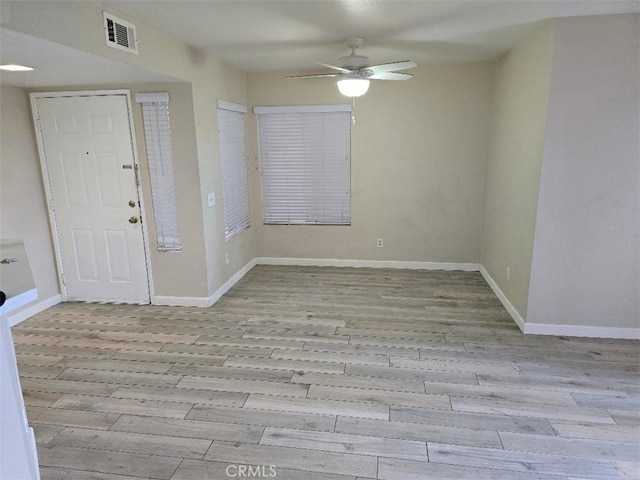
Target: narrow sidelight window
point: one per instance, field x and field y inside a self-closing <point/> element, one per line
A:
<point x="157" y="135"/>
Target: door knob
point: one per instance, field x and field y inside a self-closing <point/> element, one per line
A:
<point x="132" y="204"/>
<point x="133" y="220"/>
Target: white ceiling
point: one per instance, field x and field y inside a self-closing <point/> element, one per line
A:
<point x="272" y="35"/>
<point x="59" y="65"/>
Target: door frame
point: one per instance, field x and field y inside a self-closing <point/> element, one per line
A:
<point x="33" y="97"/>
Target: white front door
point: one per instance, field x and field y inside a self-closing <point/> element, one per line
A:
<point x="89" y="164"/>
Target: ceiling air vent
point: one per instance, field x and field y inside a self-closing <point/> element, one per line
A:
<point x="120" y="34"/>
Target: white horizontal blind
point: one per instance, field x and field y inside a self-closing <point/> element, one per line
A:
<point x="234" y="168"/>
<point x="306" y="167"/>
<point x="157" y="134"/>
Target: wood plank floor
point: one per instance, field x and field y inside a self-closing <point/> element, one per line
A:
<point x="326" y="374"/>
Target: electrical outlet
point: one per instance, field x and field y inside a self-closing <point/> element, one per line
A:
<point x="380" y="243"/>
<point x="508" y="273"/>
<point x="226" y="258"/>
<point x="211" y="199"/>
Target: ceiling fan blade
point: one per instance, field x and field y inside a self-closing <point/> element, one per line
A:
<point x="391" y="76"/>
<point x="319" y="75"/>
<point x="390" y="67"/>
<point x="340" y="69"/>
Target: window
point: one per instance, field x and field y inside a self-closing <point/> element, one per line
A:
<point x="157" y="135"/>
<point x="305" y="153"/>
<point x="234" y="167"/>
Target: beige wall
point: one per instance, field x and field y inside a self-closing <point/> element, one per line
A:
<point x="519" y="115"/>
<point x="218" y="82"/>
<point x="586" y="260"/>
<point x="23" y="208"/>
<point x="186" y="265"/>
<point x="79" y="25"/>
<point x="179" y="274"/>
<point x="445" y="167"/>
<point x="200" y="270"/>
<point x="418" y="163"/>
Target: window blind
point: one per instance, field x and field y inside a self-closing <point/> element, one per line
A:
<point x="234" y="167"/>
<point x="157" y="134"/>
<point x="306" y="166"/>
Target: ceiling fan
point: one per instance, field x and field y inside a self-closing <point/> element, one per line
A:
<point x="355" y="73"/>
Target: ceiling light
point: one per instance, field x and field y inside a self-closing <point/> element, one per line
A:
<point x="353" y="87"/>
<point x="15" y="68"/>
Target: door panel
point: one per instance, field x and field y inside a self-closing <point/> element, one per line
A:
<point x="84" y="249"/>
<point x="75" y="189"/>
<point x="89" y="161"/>
<point x="119" y="268"/>
<point x="107" y="169"/>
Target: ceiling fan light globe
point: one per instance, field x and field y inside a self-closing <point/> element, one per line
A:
<point x="353" y="87"/>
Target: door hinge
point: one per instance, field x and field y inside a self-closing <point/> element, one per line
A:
<point x="64" y="281"/>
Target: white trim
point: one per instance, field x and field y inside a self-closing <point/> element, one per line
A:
<point x="233" y="107"/>
<point x="529" y="328"/>
<point x="235" y="278"/>
<point x="180" y="301"/>
<point x="332" y="262"/>
<point x="630" y="333"/>
<point x="34" y="310"/>
<point x="141" y="204"/>
<point x="303" y="109"/>
<point x="152" y="97"/>
<point x="80" y="93"/>
<point x="320" y="262"/>
<point x="33" y="97"/>
<point x="44" y="170"/>
<point x="18" y="453"/>
<point x="33" y="448"/>
<point x="19" y="301"/>
<point x="515" y="315"/>
<point x="201" y="301"/>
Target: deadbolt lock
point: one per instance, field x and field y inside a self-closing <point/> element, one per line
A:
<point x="132" y="204"/>
<point x="133" y="220"/>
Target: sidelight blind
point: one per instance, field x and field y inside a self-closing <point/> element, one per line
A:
<point x="305" y="155"/>
<point x="157" y="134"/>
<point x="234" y="167"/>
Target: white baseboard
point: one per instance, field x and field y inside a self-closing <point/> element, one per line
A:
<point x="231" y="282"/>
<point x="29" y="312"/>
<point x="529" y="328"/>
<point x="33" y="449"/>
<point x="180" y="301"/>
<point x="305" y="262"/>
<point x="515" y="315"/>
<point x="582" y="331"/>
<point x="332" y="262"/>
<point x="19" y="301"/>
<point x="202" y="301"/>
